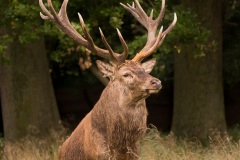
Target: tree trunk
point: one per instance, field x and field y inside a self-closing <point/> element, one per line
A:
<point x="198" y="85"/>
<point x="27" y="96"/>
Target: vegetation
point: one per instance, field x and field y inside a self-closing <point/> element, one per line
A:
<point x="32" y="147"/>
<point x="154" y="146"/>
<point x="167" y="147"/>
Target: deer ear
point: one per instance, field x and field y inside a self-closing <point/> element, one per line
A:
<point x="105" y="68"/>
<point x="148" y="65"/>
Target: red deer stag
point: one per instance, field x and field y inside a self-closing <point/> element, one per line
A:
<point x="113" y="128"/>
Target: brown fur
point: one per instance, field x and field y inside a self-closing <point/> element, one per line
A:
<point x="112" y="130"/>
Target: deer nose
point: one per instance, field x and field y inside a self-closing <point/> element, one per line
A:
<point x="156" y="83"/>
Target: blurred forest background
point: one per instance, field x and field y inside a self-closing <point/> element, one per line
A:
<point x="45" y="77"/>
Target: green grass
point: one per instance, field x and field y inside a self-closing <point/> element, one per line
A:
<point x="154" y="146"/>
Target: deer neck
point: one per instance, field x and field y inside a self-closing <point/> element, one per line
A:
<point x="120" y="96"/>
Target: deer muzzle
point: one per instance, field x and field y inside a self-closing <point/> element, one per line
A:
<point x="155" y="85"/>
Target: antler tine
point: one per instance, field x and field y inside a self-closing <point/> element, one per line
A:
<point x="62" y="21"/>
<point x="172" y="25"/>
<point x="151" y="25"/>
<point x="133" y="10"/>
<point x="124" y="55"/>
<point x="117" y="58"/>
<point x="44" y="9"/>
<point x="113" y="56"/>
<point x="142" y="16"/>
<point x="161" y="14"/>
<point x="87" y="35"/>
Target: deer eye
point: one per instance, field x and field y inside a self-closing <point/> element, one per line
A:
<point x="127" y="75"/>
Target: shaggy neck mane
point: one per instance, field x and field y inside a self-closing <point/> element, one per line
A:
<point x="120" y="117"/>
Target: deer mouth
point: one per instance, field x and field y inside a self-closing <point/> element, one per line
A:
<point x="153" y="91"/>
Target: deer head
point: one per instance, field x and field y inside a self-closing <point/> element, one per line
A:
<point x="131" y="79"/>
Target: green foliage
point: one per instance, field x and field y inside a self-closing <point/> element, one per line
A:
<point x="189" y="30"/>
<point x="23" y="19"/>
<point x="19" y="21"/>
<point x="4" y="41"/>
<point x="235" y="132"/>
<point x="115" y="16"/>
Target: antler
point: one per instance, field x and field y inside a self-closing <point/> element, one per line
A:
<point x="151" y="25"/>
<point x="62" y="21"/>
